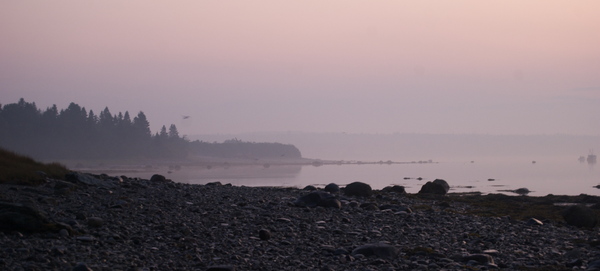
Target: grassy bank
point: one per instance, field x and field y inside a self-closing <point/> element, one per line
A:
<point x="19" y="169"/>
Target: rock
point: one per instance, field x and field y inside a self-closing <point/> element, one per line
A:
<point x="534" y="222"/>
<point x="318" y="198"/>
<point x="58" y="185"/>
<point x="522" y="191"/>
<point x="580" y="216"/>
<point x="214" y="184"/>
<point x="87" y="179"/>
<point x="64" y="233"/>
<point x="332" y="188"/>
<point x="359" y="189"/>
<point x="594" y="265"/>
<point x="19" y="217"/>
<point x="378" y="250"/>
<point x="81" y="267"/>
<point x="370" y="206"/>
<point x="483" y="259"/>
<point x="309" y="188"/>
<point x="264" y="234"/>
<point x="438" y="187"/>
<point x="395" y="189"/>
<point x="158" y="178"/>
<point x="95" y="222"/>
<point x="330" y="202"/>
<point x="221" y="268"/>
<point x="396" y="208"/>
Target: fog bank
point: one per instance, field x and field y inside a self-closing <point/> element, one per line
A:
<point x="415" y="147"/>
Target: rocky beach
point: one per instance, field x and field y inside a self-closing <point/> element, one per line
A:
<point x="100" y="222"/>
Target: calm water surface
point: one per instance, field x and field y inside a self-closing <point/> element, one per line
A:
<point x="559" y="176"/>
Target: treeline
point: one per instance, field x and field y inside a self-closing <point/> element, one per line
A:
<point x="75" y="133"/>
<point x="241" y="149"/>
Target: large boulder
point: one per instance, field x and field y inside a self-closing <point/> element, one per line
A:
<point x="88" y="179"/>
<point x="318" y="198"/>
<point x="580" y="216"/>
<point x="438" y="187"/>
<point x="359" y="189"/>
<point x="158" y="178"/>
<point x="23" y="218"/>
<point x="332" y="188"/>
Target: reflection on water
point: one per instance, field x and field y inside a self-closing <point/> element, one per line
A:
<point x="559" y="176"/>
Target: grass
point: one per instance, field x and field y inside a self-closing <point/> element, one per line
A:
<point x="23" y="170"/>
<point x="523" y="207"/>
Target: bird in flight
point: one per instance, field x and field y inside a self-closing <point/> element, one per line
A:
<point x="185" y="117"/>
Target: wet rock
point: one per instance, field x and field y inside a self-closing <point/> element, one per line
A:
<point x="580" y="216"/>
<point x="378" y="250"/>
<point x="359" y="189"/>
<point x="332" y="188"/>
<point x="438" y="187"/>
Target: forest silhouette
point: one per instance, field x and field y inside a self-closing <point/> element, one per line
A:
<point x="75" y="133"/>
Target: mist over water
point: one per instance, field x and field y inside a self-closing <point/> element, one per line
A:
<point x="469" y="163"/>
<point x="557" y="175"/>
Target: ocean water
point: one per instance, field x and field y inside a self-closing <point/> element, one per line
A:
<point x="549" y="175"/>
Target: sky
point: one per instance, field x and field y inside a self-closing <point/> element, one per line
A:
<point x="452" y="67"/>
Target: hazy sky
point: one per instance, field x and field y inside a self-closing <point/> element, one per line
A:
<point x="498" y="67"/>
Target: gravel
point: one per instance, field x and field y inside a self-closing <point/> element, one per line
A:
<point x="133" y="224"/>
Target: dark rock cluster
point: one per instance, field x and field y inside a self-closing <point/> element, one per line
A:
<point x="117" y="223"/>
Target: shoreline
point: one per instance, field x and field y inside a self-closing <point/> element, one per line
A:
<point x="121" y="223"/>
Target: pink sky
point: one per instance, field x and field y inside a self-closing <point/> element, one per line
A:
<point x="498" y="67"/>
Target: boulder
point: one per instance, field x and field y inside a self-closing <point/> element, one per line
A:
<point x="580" y="216"/>
<point x="438" y="187"/>
<point x="359" y="189"/>
<point x="318" y="198"/>
<point x="158" y="178"/>
<point x="309" y="188"/>
<point x="88" y="179"/>
<point x="395" y="189"/>
<point x="23" y="218"/>
<point x="332" y="188"/>
<point x="378" y="250"/>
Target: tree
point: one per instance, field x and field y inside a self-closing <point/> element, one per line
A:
<point x="141" y="126"/>
<point x="163" y="135"/>
<point x="173" y="133"/>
